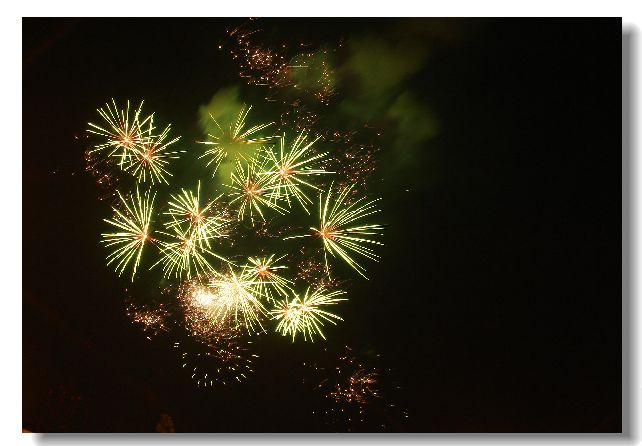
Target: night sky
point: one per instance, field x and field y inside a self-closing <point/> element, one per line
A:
<point x="496" y="306"/>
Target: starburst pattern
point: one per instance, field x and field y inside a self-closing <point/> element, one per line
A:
<point x="151" y="155"/>
<point x="338" y="231"/>
<point x="203" y="222"/>
<point x="252" y="191"/>
<point x="185" y="253"/>
<point x="122" y="131"/>
<point x="265" y="272"/>
<point x="290" y="166"/>
<point x="233" y="298"/>
<point x="303" y="314"/>
<point x="234" y="141"/>
<point x="133" y="220"/>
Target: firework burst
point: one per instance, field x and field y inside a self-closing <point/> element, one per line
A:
<point x="203" y="222"/>
<point x="264" y="271"/>
<point x="121" y="131"/>
<point x="133" y="220"/>
<point x="233" y="142"/>
<point x="303" y="314"/>
<point x="290" y="166"/>
<point x="234" y="299"/>
<point x="185" y="253"/>
<point x="253" y="191"/>
<point x="338" y="233"/>
<point x="151" y="155"/>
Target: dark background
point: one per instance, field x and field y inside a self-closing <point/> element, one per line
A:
<point x="497" y="305"/>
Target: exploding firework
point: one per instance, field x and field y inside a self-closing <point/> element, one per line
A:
<point x="303" y="314"/>
<point x="253" y="191"/>
<point x="204" y="224"/>
<point x="133" y="220"/>
<point x="234" y="142"/>
<point x="122" y="132"/>
<point x="337" y="231"/>
<point x="151" y="155"/>
<point x="234" y="299"/>
<point x="264" y="271"/>
<point x="290" y="166"/>
<point x="186" y="253"/>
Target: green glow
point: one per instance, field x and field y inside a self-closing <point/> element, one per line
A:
<point x="230" y="144"/>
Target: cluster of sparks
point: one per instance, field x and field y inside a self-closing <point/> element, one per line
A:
<point x="191" y="232"/>
<point x="134" y="143"/>
<point x="280" y="67"/>
<point x="304" y="314"/>
<point x="150" y="319"/>
<point x="228" y="143"/>
<point x="354" y="391"/>
<point x="339" y="231"/>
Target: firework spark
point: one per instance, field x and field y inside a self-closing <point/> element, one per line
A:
<point x="122" y="131"/>
<point x="185" y="253"/>
<point x="204" y="224"/>
<point x="233" y="298"/>
<point x="150" y="319"/>
<point x="233" y="142"/>
<point x="290" y="166"/>
<point x="303" y="314"/>
<point x="253" y="191"/>
<point x="264" y="271"/>
<point x="150" y="155"/>
<point x="336" y="230"/>
<point x="133" y="220"/>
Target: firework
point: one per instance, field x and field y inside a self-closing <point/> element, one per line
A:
<point x="234" y="299"/>
<point x="359" y="388"/>
<point x="185" y="253"/>
<point x="304" y="314"/>
<point x="121" y="131"/>
<point x="264" y="271"/>
<point x="290" y="166"/>
<point x="252" y="190"/>
<point x="149" y="319"/>
<point x="204" y="224"/>
<point x="337" y="231"/>
<point x="233" y="142"/>
<point x="220" y="356"/>
<point x="133" y="220"/>
<point x="150" y="155"/>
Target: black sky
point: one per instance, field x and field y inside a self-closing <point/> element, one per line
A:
<point x="498" y="301"/>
